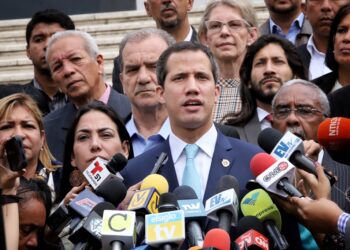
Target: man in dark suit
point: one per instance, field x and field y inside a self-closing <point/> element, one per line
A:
<point x="269" y="62"/>
<point x="168" y="17"/>
<point x="299" y="107"/>
<point x="77" y="66"/>
<point x="287" y="20"/>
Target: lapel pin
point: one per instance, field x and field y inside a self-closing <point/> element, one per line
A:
<point x="225" y="163"/>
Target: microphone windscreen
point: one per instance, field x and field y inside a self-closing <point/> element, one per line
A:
<point x="259" y="204"/>
<point x="247" y="223"/>
<point x="100" y="207"/>
<point x="217" y="238"/>
<point x="334" y="133"/>
<point x="268" y="139"/>
<point x="167" y="202"/>
<point x="117" y="163"/>
<point x="185" y="193"/>
<point x="112" y="190"/>
<point x="260" y="162"/>
<point x="227" y="182"/>
<point x="156" y="181"/>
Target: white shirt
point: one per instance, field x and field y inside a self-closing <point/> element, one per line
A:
<point x="189" y="35"/>
<point x="318" y="65"/>
<point x="261" y="116"/>
<point x="336" y="86"/>
<point x="202" y="160"/>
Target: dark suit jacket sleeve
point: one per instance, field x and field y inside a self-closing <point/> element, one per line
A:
<point x="117" y="84"/>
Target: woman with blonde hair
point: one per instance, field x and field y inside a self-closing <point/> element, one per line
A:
<point x="20" y="116"/>
<point x="228" y="27"/>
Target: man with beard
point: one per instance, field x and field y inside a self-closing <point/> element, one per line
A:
<point x="40" y="28"/>
<point x="170" y="16"/>
<point x="299" y="107"/>
<point x="287" y="20"/>
<point x="320" y="14"/>
<point x="269" y="62"/>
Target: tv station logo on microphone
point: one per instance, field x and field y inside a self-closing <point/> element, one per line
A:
<point x="165" y="227"/>
<point x="118" y="222"/>
<point x="96" y="172"/>
<point x="281" y="166"/>
<point x="192" y="207"/>
<point x="145" y="199"/>
<point x="286" y="146"/>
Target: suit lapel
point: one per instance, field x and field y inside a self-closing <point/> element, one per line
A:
<point x="252" y="129"/>
<point x="221" y="164"/>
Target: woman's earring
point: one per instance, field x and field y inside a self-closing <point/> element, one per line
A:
<point x="76" y="178"/>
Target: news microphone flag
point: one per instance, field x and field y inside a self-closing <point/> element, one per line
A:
<point x="84" y="202"/>
<point x="146" y="200"/>
<point x="252" y="238"/>
<point x="118" y="228"/>
<point x="224" y="200"/>
<point x="287" y="145"/>
<point x="167" y="227"/>
<point x="334" y="133"/>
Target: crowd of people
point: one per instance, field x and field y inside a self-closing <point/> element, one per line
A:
<point x="190" y="106"/>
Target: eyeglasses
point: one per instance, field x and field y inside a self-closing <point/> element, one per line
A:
<point x="232" y="25"/>
<point x="304" y="112"/>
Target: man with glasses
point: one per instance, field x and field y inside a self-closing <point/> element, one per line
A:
<point x="269" y="62"/>
<point x="299" y="107"/>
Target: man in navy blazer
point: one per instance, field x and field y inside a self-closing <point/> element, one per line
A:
<point x="77" y="66"/>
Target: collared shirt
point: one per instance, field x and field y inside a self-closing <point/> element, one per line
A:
<point x="139" y="143"/>
<point x="202" y="160"/>
<point x="189" y="35"/>
<point x="318" y="65"/>
<point x="105" y="96"/>
<point x="342" y="221"/>
<point x="229" y="99"/>
<point x="58" y="100"/>
<point x="261" y="116"/>
<point x="293" y="31"/>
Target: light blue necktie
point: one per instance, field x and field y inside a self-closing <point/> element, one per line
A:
<point x="191" y="177"/>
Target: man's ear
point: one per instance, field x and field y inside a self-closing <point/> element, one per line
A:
<point x="147" y="8"/>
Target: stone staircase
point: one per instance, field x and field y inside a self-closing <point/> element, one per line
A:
<point x="107" y="28"/>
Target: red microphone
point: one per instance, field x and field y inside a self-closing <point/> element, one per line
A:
<point x="334" y="133"/>
<point x="217" y="238"/>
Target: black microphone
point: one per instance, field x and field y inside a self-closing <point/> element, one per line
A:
<point x="223" y="207"/>
<point x="162" y="159"/>
<point x="195" y="216"/>
<point x="89" y="231"/>
<point x="117" y="163"/>
<point x="112" y="190"/>
<point x="288" y="146"/>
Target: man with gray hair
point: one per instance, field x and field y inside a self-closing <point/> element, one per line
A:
<point x="77" y="67"/>
<point x="138" y="55"/>
<point x="299" y="107"/>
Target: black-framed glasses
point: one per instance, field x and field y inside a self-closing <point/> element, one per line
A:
<point x="233" y="25"/>
<point x="304" y="112"/>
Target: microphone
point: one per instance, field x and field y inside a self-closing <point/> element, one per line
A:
<point x="334" y="133"/>
<point x="162" y="159"/>
<point x="274" y="176"/>
<point x="84" y="202"/>
<point x="217" y="239"/>
<point x="259" y="204"/>
<point x="195" y="216"/>
<point x="117" y="164"/>
<point x="145" y="201"/>
<point x="112" y="190"/>
<point x="166" y="230"/>
<point x="288" y="146"/>
<point x="89" y="230"/>
<point x="251" y="236"/>
<point x="58" y="219"/>
<point x="118" y="229"/>
<point x="97" y="173"/>
<point x="223" y="207"/>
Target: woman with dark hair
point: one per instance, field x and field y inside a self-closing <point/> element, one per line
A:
<point x="338" y="53"/>
<point x="97" y="131"/>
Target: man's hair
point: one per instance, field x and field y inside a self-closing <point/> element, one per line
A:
<point x="141" y="35"/>
<point x="330" y="59"/>
<point x="244" y="7"/>
<point x="90" y="44"/>
<point x="49" y="16"/>
<point x="180" y="47"/>
<point x="322" y="96"/>
<point x="248" y="100"/>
